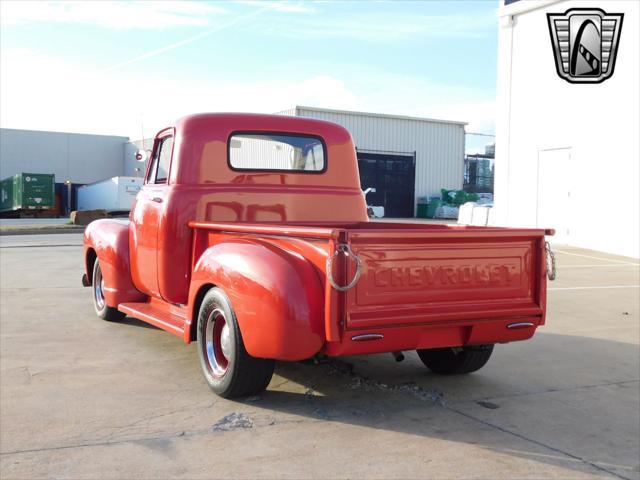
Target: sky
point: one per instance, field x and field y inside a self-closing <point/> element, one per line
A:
<point x="132" y="68"/>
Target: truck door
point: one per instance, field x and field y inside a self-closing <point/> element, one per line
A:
<point x="147" y="215"/>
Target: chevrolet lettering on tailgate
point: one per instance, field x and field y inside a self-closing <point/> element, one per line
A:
<point x="434" y="275"/>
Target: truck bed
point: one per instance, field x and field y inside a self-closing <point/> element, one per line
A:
<point x="420" y="284"/>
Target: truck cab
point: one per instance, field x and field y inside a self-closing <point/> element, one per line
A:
<point x="250" y="235"/>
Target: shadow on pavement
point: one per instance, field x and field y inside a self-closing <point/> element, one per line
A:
<point x="134" y="322"/>
<point x="375" y="392"/>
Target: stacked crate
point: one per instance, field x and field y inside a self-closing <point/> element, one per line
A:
<point x="483" y="175"/>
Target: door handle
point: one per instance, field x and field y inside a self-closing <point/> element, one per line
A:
<point x="156" y="199"/>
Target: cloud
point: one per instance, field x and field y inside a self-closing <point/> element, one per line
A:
<point x="280" y="6"/>
<point x="384" y="27"/>
<point x="152" y="53"/>
<point x="111" y="14"/>
<point x="384" y="92"/>
<point x="478" y="113"/>
<point x="373" y="26"/>
<point x="38" y="91"/>
<point x="292" y="8"/>
<point x="71" y="98"/>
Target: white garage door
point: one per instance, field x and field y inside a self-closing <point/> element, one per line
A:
<point x="554" y="192"/>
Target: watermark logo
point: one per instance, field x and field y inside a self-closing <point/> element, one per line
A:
<point x="585" y="43"/>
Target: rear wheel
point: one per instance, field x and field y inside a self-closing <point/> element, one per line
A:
<point x="227" y="367"/>
<point x="103" y="310"/>
<point x="456" y="360"/>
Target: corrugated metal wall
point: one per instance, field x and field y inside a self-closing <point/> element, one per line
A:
<point x="77" y="157"/>
<point x="250" y="152"/>
<point x="290" y="112"/>
<point x="438" y="146"/>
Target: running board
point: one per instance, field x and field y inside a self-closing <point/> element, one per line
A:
<point x="166" y="316"/>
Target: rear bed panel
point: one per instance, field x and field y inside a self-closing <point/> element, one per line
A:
<point x="422" y="278"/>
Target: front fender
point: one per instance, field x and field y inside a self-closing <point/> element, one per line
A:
<point x="109" y="240"/>
<point x="276" y="294"/>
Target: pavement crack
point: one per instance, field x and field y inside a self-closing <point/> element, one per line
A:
<point x="536" y="442"/>
<point x="98" y="444"/>
<point x="435" y="397"/>
<point x="554" y="390"/>
<point x="178" y="434"/>
<point x="361" y="382"/>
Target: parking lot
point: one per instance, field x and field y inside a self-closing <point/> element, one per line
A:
<point x="85" y="398"/>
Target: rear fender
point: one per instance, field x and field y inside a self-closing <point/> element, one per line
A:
<point x="108" y="239"/>
<point x="276" y="294"/>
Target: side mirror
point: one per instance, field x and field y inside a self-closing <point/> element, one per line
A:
<point x="142" y="155"/>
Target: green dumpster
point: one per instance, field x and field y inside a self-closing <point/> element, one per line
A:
<point x="27" y="191"/>
<point x="432" y="207"/>
<point x="422" y="210"/>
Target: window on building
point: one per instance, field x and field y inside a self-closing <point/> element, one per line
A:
<point x="266" y="151"/>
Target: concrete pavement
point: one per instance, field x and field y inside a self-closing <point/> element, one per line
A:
<point x="84" y="398"/>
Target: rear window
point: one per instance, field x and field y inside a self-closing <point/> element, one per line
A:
<point x="266" y="151"/>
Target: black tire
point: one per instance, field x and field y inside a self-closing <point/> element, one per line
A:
<point x="454" y="361"/>
<point x="103" y="310"/>
<point x="227" y="367"/>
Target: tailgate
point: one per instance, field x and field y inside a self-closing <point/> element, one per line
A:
<point x="462" y="275"/>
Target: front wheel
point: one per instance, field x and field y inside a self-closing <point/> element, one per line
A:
<point x="227" y="367"/>
<point x="103" y="310"/>
<point x="456" y="360"/>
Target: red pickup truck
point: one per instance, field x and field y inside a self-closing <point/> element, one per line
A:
<point x="251" y="237"/>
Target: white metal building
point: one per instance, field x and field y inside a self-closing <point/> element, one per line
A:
<point x="79" y="158"/>
<point x="75" y="157"/>
<point x="402" y="157"/>
<point x="567" y="155"/>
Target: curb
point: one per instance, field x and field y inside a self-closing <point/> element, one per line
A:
<point x="41" y="231"/>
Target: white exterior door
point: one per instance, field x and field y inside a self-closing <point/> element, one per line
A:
<point x="554" y="192"/>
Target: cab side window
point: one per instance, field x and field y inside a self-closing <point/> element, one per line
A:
<point x="161" y="161"/>
<point x="160" y="171"/>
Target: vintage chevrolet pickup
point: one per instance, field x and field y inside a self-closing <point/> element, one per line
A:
<point x="251" y="236"/>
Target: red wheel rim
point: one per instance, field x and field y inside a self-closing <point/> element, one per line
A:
<point x="217" y="344"/>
